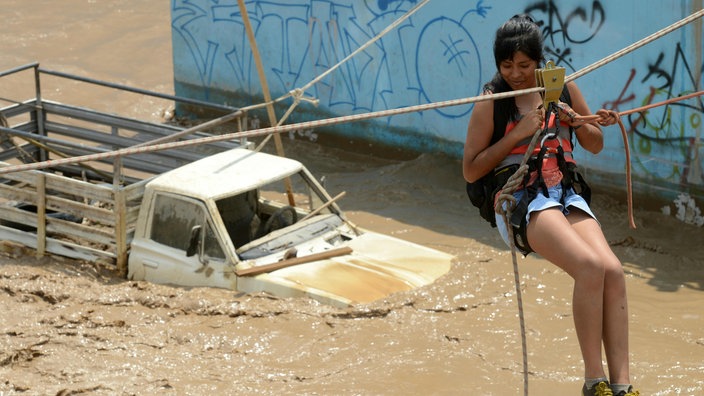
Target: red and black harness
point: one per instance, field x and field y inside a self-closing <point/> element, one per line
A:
<point x="482" y="192"/>
<point x="534" y="182"/>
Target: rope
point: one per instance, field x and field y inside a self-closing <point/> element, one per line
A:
<point x="624" y="135"/>
<point x="158" y="145"/>
<point x="298" y="94"/>
<point x="376" y="38"/>
<point x="258" y="132"/>
<point x="635" y="45"/>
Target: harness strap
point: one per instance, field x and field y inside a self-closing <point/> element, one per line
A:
<point x="535" y="164"/>
<point x="566" y="181"/>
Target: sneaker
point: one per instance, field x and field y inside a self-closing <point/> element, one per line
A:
<point x="600" y="389"/>
<point x="630" y="392"/>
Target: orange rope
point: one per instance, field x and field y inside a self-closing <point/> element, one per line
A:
<point x="593" y="118"/>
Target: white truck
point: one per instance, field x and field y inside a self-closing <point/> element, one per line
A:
<point x="218" y="215"/>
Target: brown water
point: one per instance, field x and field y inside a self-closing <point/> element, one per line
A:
<point x="71" y="328"/>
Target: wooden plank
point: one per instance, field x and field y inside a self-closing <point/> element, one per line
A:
<point x="12" y="193"/>
<point x="86" y="233"/>
<point x="89" y="211"/>
<point x="10" y="214"/>
<point x="120" y="210"/>
<point x="41" y="215"/>
<point x="54" y="246"/>
<point x="294" y="261"/>
<point x="28" y="221"/>
<point x="75" y="187"/>
<point x="135" y="191"/>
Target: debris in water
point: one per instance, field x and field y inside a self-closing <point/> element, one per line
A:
<point x="687" y="210"/>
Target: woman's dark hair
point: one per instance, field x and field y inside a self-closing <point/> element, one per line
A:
<point x="520" y="33"/>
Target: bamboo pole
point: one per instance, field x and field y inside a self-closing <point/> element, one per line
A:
<point x="120" y="213"/>
<point x="265" y="91"/>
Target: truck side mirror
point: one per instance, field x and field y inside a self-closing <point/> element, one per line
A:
<point x="194" y="241"/>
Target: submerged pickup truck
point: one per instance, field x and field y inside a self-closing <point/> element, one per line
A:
<point x="224" y="219"/>
<point x="220" y="215"/>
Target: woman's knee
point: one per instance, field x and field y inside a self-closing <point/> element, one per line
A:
<point x="613" y="272"/>
<point x="592" y="269"/>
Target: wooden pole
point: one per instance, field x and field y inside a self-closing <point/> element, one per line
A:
<point x="265" y="91"/>
<point x="294" y="261"/>
<point x="41" y="215"/>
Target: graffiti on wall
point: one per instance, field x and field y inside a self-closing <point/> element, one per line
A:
<point x="437" y="55"/>
<point x="565" y="27"/>
<point x="667" y="132"/>
<point x="400" y="70"/>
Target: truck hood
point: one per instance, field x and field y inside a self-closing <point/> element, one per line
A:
<point x="378" y="266"/>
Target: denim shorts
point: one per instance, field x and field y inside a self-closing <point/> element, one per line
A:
<point x="572" y="199"/>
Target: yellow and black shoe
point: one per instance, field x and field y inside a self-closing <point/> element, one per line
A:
<point x="629" y="392"/>
<point x="600" y="389"/>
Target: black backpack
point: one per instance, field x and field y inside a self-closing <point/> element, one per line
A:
<point x="481" y="193"/>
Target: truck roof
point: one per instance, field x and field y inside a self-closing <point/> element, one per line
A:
<point x="225" y="173"/>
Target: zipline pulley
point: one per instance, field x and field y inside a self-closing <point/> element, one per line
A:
<point x="552" y="78"/>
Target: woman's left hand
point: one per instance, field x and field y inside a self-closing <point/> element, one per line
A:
<point x="568" y="115"/>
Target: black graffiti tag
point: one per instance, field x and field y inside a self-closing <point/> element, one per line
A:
<point x="561" y="29"/>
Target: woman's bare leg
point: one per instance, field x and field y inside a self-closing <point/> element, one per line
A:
<point x="552" y="236"/>
<point x="615" y="332"/>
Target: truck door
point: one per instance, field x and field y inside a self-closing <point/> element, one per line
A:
<point x="161" y="256"/>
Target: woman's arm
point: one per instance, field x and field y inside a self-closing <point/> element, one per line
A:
<point x="479" y="132"/>
<point x="589" y="135"/>
<point x="479" y="156"/>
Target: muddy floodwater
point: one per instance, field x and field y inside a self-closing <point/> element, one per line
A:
<point x="69" y="328"/>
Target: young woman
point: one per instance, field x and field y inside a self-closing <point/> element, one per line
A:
<point x="558" y="223"/>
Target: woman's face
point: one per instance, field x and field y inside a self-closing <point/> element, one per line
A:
<point x="519" y="72"/>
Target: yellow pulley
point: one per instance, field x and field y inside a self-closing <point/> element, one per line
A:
<point x="552" y="78"/>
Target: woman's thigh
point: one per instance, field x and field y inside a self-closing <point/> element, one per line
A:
<point x="552" y="235"/>
<point x="591" y="233"/>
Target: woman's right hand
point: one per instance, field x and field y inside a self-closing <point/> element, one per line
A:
<point x="530" y="123"/>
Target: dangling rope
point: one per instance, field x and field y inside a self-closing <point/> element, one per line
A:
<point x="505" y="204"/>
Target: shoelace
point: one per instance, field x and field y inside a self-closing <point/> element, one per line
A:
<point x="602" y="389"/>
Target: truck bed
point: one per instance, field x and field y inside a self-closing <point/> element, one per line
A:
<point x="85" y="210"/>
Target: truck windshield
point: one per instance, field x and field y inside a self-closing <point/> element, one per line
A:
<point x="271" y="206"/>
<point x="297" y="190"/>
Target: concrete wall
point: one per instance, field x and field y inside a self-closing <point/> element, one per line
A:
<point x="444" y="52"/>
